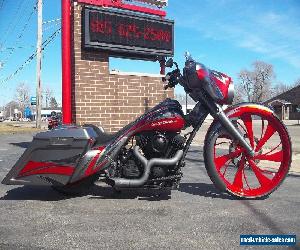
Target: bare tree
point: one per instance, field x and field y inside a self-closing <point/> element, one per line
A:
<point x="245" y="86"/>
<point x="53" y="103"/>
<point x="297" y="82"/>
<point x="9" y="108"/>
<point x="263" y="75"/>
<point x="238" y="94"/>
<point x="255" y="85"/>
<point x="22" y="96"/>
<point x="280" y="88"/>
<point x="48" y="94"/>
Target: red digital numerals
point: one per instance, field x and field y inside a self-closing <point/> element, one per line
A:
<point x="101" y="26"/>
<point x="131" y="31"/>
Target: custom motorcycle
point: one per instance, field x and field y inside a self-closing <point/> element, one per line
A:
<point x="54" y="121"/>
<point x="247" y="149"/>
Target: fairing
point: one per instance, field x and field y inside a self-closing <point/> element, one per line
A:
<point x="218" y="85"/>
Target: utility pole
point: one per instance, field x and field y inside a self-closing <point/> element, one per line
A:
<point x="39" y="64"/>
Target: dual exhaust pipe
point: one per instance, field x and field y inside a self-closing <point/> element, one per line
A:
<point x="148" y="164"/>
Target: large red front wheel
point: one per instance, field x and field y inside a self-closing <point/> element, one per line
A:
<point x="229" y="166"/>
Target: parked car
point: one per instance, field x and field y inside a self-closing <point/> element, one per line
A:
<point x="16" y="119"/>
<point x="25" y="120"/>
<point x="9" y="118"/>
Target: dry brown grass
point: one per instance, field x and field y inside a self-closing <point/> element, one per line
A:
<point x="9" y="128"/>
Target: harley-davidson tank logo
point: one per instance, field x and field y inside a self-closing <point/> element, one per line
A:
<point x="159" y="123"/>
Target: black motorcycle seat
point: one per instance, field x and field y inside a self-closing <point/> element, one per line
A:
<point x="102" y="137"/>
<point x="105" y="138"/>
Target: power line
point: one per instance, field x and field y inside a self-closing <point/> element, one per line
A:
<point x="12" y="25"/>
<point x="51" y="24"/>
<point x="32" y="56"/>
<point x="17" y="47"/>
<point x="20" y="36"/>
<point x="51" y="21"/>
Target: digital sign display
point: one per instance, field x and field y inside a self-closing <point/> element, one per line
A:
<point x="127" y="34"/>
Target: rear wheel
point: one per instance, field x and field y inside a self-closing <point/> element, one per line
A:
<point x="229" y="166"/>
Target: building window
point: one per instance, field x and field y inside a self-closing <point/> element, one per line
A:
<point x="133" y="66"/>
<point x="294" y="108"/>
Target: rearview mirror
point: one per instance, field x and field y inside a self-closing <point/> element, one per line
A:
<point x="188" y="56"/>
<point x="169" y="63"/>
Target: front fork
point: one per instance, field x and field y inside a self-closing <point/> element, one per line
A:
<point x="226" y="122"/>
<point x="216" y="111"/>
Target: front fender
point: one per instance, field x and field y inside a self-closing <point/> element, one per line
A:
<point x="238" y="109"/>
<point x="242" y="108"/>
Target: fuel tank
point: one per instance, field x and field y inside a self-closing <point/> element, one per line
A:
<point x="166" y="116"/>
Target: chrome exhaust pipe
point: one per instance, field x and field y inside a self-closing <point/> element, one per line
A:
<point x="128" y="183"/>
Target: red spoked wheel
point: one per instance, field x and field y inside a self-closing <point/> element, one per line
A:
<point x="232" y="169"/>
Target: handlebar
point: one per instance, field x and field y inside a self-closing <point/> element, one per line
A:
<point x="172" y="78"/>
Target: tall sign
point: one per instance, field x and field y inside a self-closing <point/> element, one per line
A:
<point x="39" y="64"/>
<point x="128" y="35"/>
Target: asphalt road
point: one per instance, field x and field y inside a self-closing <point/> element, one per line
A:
<point x="195" y="217"/>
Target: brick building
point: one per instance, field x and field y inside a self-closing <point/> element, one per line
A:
<point x="108" y="98"/>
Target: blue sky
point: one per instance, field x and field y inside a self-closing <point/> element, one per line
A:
<point x="226" y="35"/>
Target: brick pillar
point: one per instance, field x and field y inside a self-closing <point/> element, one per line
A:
<point x="111" y="100"/>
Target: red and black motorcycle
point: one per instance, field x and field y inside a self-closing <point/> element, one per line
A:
<point x="247" y="149"/>
<point x="54" y="121"/>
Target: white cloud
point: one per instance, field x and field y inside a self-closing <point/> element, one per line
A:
<point x="272" y="34"/>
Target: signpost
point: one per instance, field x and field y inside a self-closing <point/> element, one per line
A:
<point x="33" y="100"/>
<point x="128" y="35"/>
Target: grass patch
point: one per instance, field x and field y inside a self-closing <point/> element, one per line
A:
<point x="14" y="128"/>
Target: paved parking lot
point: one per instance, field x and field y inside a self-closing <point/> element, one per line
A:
<point x="196" y="216"/>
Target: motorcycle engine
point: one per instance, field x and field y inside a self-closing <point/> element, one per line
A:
<point x="130" y="167"/>
<point x="155" y="144"/>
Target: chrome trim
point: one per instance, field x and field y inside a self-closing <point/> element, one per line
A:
<point x="230" y="94"/>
